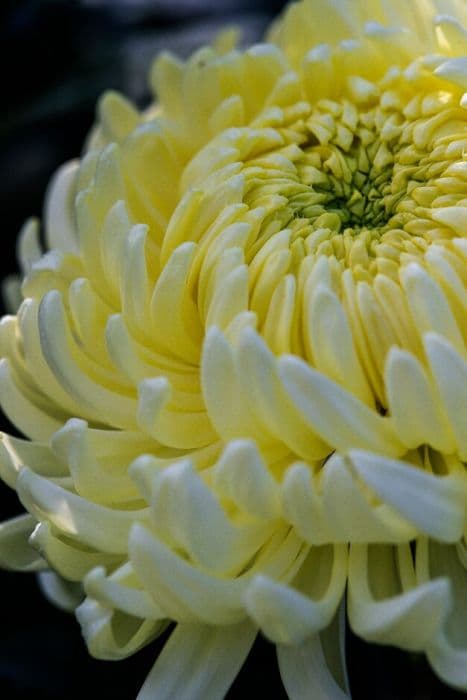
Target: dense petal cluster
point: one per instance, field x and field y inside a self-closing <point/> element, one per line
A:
<point x="241" y="363"/>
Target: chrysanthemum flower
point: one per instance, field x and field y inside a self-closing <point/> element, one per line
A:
<point x="241" y="364"/>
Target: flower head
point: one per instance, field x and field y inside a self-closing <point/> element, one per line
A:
<point x="241" y="364"/>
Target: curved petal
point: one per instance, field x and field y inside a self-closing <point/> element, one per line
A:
<point x="63" y="594"/>
<point x="384" y="603"/>
<point x="199" y="662"/>
<point x="187" y="514"/>
<point x="69" y="558"/>
<point x="242" y="476"/>
<point x="335" y="414"/>
<point x="121" y="590"/>
<point x="60" y="230"/>
<point x="183" y="592"/>
<point x="16" y="453"/>
<point x="188" y="594"/>
<point x="448" y="652"/>
<point x="90" y="478"/>
<point x="111" y="634"/>
<point x="15" y="551"/>
<point x="92" y="524"/>
<point x="434" y="504"/>
<point x="332" y="505"/>
<point x="305" y="673"/>
<point x="290" y="614"/>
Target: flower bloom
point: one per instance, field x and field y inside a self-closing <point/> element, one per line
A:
<point x="241" y="364"/>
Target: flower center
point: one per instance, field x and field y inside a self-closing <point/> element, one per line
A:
<point x="371" y="175"/>
<point x="349" y="186"/>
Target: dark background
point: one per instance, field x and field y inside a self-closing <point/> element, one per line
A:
<point x="57" y="58"/>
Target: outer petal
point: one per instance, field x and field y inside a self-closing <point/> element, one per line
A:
<point x="291" y="614"/>
<point x="386" y="605"/>
<point x="63" y="594"/>
<point x="15" y="550"/>
<point x="316" y="668"/>
<point x="448" y="652"/>
<point x="111" y="634"/>
<point x="435" y="504"/>
<point x="199" y="662"/>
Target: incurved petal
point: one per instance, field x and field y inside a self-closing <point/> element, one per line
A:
<point x="335" y="414"/>
<point x="121" y="590"/>
<point x="331" y="505"/>
<point x="384" y="603"/>
<point x="69" y="558"/>
<point x="97" y="526"/>
<point x="435" y="504"/>
<point x="187" y="514"/>
<point x="188" y="594"/>
<point x="60" y="229"/>
<point x="290" y="614"/>
<point x="113" y="635"/>
<point x="15" y="551"/>
<point x="65" y="595"/>
<point x="183" y="592"/>
<point x="448" y="652"/>
<point x="91" y="480"/>
<point x="16" y="453"/>
<point x="242" y="476"/>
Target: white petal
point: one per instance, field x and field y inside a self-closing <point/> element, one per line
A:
<point x="450" y="373"/>
<point x="350" y="512"/>
<point x="15" y="551"/>
<point x="336" y="415"/>
<point x="16" y="453"/>
<point x="454" y="70"/>
<point x="28" y="245"/>
<point x="111" y="634"/>
<point x="161" y="418"/>
<point x="305" y="674"/>
<point x="435" y="504"/>
<point x="413" y="404"/>
<point x="19" y="406"/>
<point x="225" y="401"/>
<point x="448" y="652"/>
<point x="290" y="614"/>
<point x="11" y="295"/>
<point x="60" y="351"/>
<point x="135" y="284"/>
<point x="60" y="228"/>
<point x="67" y="557"/>
<point x="230" y="298"/>
<point x="263" y="389"/>
<point x="89" y="523"/>
<point x="382" y="609"/>
<point x="303" y="505"/>
<point x="64" y="594"/>
<point x="183" y="592"/>
<point x="170" y="307"/>
<point x="428" y="305"/>
<point x="117" y="115"/>
<point x="199" y="662"/>
<point x="449" y="662"/>
<point x="90" y="479"/>
<point x="186" y="512"/>
<point x="187" y="594"/>
<point x="332" y="345"/>
<point x="242" y="476"/>
<point x="122" y="591"/>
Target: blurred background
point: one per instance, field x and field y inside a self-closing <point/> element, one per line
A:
<point x="58" y="56"/>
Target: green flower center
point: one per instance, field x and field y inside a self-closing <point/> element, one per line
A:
<point x="376" y="175"/>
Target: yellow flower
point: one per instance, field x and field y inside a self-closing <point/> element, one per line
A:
<point x="241" y="365"/>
